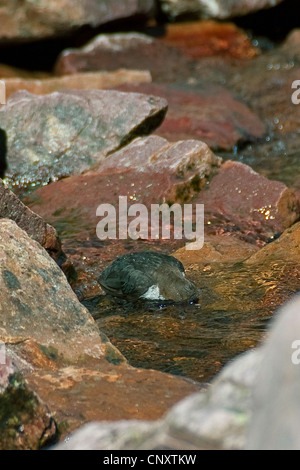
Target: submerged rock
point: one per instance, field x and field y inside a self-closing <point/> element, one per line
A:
<point x="67" y="133"/>
<point x="148" y="275"/>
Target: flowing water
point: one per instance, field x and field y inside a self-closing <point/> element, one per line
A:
<point x="196" y="340"/>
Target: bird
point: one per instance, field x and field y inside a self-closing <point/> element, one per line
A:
<point x="147" y="275"/>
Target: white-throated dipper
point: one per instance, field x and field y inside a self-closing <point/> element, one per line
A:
<point x="148" y="275"/>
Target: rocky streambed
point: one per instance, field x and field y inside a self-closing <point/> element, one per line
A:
<point x="176" y="105"/>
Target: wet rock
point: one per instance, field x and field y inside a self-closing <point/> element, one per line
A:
<point x="12" y="208"/>
<point x="56" y="18"/>
<point x="80" y="81"/>
<point x="199" y="39"/>
<point x="25" y="422"/>
<point x="214" y="9"/>
<point x="286" y="247"/>
<point x="67" y="133"/>
<point x="217" y="249"/>
<point x="209" y="113"/>
<point x="125" y="50"/>
<point x="241" y="201"/>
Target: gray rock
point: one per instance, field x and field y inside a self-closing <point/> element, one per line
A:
<point x="66" y="133"/>
<point x="275" y="424"/>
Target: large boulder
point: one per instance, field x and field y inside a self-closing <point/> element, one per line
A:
<point x="66" y="133"/>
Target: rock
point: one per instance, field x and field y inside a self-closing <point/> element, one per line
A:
<point x="286" y="247"/>
<point x="32" y="285"/>
<point x="198" y="39"/>
<point x="12" y="208"/>
<point x="241" y="201"/>
<point x="56" y="18"/>
<point x="125" y="50"/>
<point x="25" y="422"/>
<point x="217" y="249"/>
<point x="275" y="404"/>
<point x="79" y="81"/>
<point x="208" y="113"/>
<point x="8" y="71"/>
<point x="214" y="9"/>
<point x="67" y="133"/>
<point x="217" y="418"/>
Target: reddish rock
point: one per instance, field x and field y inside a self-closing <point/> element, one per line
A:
<point x="208" y="38"/>
<point x="12" y="208"/>
<point x="57" y="17"/>
<point x="241" y="201"/>
<point x="125" y="50"/>
<point x="286" y="247"/>
<point x="79" y="81"/>
<point x="67" y="133"/>
<point x="208" y="113"/>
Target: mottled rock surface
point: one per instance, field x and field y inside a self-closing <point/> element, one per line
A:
<point x="219" y="9"/>
<point x="37" y="301"/>
<point x="125" y="50"/>
<point x="67" y="133"/>
<point x="36" y="20"/>
<point x="12" y="208"/>
<point x="209" y="113"/>
<point x="198" y="39"/>
<point x="241" y="201"/>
